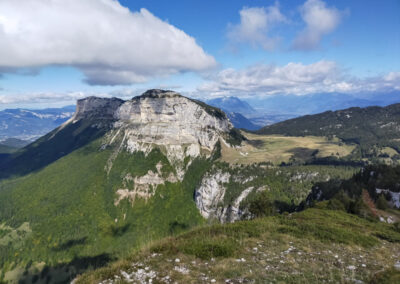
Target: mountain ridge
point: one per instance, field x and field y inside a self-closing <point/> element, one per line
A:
<point x="232" y="104"/>
<point x="368" y="127"/>
<point x="181" y="126"/>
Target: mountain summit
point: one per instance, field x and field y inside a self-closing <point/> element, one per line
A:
<point x="180" y="127"/>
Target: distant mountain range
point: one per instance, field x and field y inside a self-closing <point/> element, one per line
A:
<point x="261" y="111"/>
<point x="316" y="103"/>
<point x="237" y="110"/>
<point x="29" y="125"/>
<point x="240" y="121"/>
<point x="250" y="113"/>
<point x="232" y="104"/>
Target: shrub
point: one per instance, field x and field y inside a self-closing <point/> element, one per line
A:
<point x="397" y="227"/>
<point x="381" y="203"/>
<point x="336" y="204"/>
<point x="261" y="205"/>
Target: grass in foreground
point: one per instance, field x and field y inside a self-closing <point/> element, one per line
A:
<point x="308" y="247"/>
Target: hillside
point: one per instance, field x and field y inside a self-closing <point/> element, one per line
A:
<point x="116" y="175"/>
<point x="120" y="175"/>
<point x="232" y="104"/>
<point x="4" y="149"/>
<point x="240" y="121"/>
<point x="339" y="239"/>
<point x="372" y="128"/>
<point x="313" y="246"/>
<point x="379" y="183"/>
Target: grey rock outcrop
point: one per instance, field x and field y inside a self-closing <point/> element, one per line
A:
<point x="96" y="108"/>
<point x="209" y="198"/>
<point x="179" y="126"/>
<point x="210" y="194"/>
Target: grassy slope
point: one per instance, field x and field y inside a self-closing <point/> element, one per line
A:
<point x="49" y="148"/>
<point x="69" y="208"/>
<point x="79" y="198"/>
<point x="309" y="247"/>
<point x="277" y="149"/>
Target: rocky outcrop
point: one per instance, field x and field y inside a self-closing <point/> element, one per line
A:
<point x="209" y="198"/>
<point x="210" y="194"/>
<point x="165" y="119"/>
<point x="179" y="126"/>
<point x="142" y="187"/>
<point x="96" y="108"/>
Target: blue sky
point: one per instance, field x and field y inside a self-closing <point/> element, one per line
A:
<point x="200" y="48"/>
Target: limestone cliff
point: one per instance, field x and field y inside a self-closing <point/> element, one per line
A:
<point x="209" y="197"/>
<point x="179" y="126"/>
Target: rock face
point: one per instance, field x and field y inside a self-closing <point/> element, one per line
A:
<point x="209" y="198"/>
<point x="96" y="108"/>
<point x="143" y="186"/>
<point x="179" y="126"/>
<point x="211" y="193"/>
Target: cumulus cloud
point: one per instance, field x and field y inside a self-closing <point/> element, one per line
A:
<point x="106" y="41"/>
<point x="294" y="78"/>
<point x="392" y="77"/>
<point x="320" y="20"/>
<point x="255" y="23"/>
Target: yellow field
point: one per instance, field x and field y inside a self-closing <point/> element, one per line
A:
<point x="278" y="149"/>
<point x="390" y="151"/>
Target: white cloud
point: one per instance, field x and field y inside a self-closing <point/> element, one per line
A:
<point x="258" y="80"/>
<point x="255" y="23"/>
<point x="392" y="76"/>
<point x="294" y="78"/>
<point x="62" y="98"/>
<point x="320" y="20"/>
<point x="107" y="42"/>
<point x="36" y="98"/>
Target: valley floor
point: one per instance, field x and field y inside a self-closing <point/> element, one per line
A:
<point x="314" y="246"/>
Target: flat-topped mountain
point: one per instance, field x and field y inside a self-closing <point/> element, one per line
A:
<point x="179" y="126"/>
